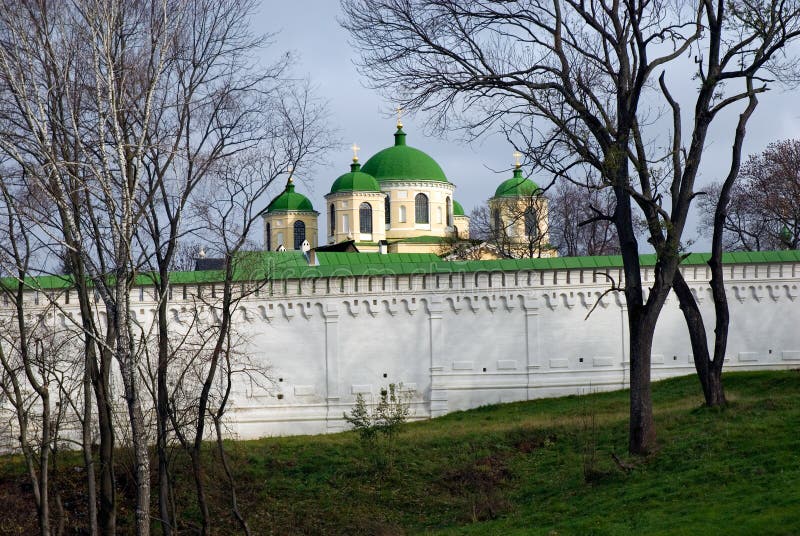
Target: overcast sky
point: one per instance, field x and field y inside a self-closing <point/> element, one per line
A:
<point x="310" y="29"/>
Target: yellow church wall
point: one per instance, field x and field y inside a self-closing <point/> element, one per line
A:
<point x="402" y="197"/>
<point x="279" y="228"/>
<point x="348" y="223"/>
<point x="462" y="226"/>
<point x="411" y="247"/>
<point x="512" y="216"/>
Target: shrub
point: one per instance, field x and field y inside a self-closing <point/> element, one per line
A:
<point x="391" y="411"/>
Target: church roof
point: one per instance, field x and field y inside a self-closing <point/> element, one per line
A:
<point x="355" y="181"/>
<point x="348" y="246"/>
<point x="517" y="186"/>
<point x="273" y="265"/>
<point x="293" y="265"/>
<point x="290" y="200"/>
<point x="401" y="162"/>
<point x="458" y="210"/>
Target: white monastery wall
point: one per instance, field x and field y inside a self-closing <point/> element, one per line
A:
<point x="464" y="340"/>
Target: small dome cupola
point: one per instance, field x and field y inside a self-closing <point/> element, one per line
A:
<point x="356" y="208"/>
<point x="517" y="185"/>
<point x="290" y="200"/>
<point x="458" y="210"/>
<point x="290" y="220"/>
<point x="356" y="180"/>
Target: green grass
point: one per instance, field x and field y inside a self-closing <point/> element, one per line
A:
<point x="540" y="467"/>
<point x="526" y="468"/>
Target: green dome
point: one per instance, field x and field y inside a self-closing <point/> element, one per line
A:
<point x="402" y="162"/>
<point x="290" y="200"/>
<point x="355" y="181"/>
<point x="458" y="210"/>
<point x="517" y="186"/>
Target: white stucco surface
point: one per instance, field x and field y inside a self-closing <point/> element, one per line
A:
<point x="491" y="338"/>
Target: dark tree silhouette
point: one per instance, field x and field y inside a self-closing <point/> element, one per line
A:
<point x="568" y="81"/>
<point x="764" y="209"/>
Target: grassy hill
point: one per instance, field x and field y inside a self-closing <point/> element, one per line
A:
<point x="541" y="467"/>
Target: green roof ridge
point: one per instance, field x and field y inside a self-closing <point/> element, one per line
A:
<point x="273" y="265"/>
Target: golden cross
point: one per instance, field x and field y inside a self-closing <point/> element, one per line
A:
<point x="355" y="149"/>
<point x="290" y="170"/>
<point x="517" y="156"/>
<point x="399" y="117"/>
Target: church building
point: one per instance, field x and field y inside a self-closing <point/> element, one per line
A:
<point x="401" y="201"/>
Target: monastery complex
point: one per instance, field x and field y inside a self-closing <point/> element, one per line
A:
<point x="374" y="305"/>
<point x="400" y="201"/>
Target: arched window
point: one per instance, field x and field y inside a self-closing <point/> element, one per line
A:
<point x="449" y="207"/>
<point x="365" y="218"/>
<point x="299" y="234"/>
<point x="497" y="224"/>
<point x="531" y="225"/>
<point x="269" y="237"/>
<point x="387" y="207"/>
<point x="332" y="215"/>
<point x="421" y="209"/>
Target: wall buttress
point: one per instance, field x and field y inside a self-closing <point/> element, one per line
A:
<point x="334" y="413"/>
<point x="530" y="304"/>
<point x="438" y="390"/>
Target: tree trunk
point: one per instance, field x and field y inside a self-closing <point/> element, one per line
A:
<point x="86" y="443"/>
<point x="202" y="502"/>
<point x="62" y="516"/>
<point x="721" y="328"/>
<point x="98" y="367"/>
<point x="105" y="422"/>
<point x="641" y="432"/>
<point x="128" y="369"/>
<point x="710" y="377"/>
<point x="44" y="467"/>
<point x="162" y="406"/>
<point x="229" y="474"/>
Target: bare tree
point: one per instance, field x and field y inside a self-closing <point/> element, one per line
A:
<point x="569" y="226"/>
<point x="569" y="80"/>
<point x="516" y="228"/>
<point x="764" y="208"/>
<point x="185" y="256"/>
<point x="231" y="207"/>
<point x="39" y="375"/>
<point x="574" y="230"/>
<point x="112" y="115"/>
<point x="214" y="103"/>
<point x="455" y="248"/>
<point x="25" y="376"/>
